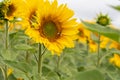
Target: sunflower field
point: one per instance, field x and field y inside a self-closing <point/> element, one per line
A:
<point x="42" y="40"/>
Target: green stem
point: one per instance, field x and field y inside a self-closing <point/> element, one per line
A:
<point x="27" y="53"/>
<point x="44" y="51"/>
<point x="103" y="57"/>
<point x="5" y="73"/>
<point x="87" y="42"/>
<point x="27" y="56"/>
<point x="57" y="67"/>
<point x="6" y="34"/>
<point x="98" y="61"/>
<point x="28" y="76"/>
<point x="112" y="78"/>
<point x="6" y="46"/>
<point x="40" y="60"/>
<point x="36" y="58"/>
<point x="58" y="62"/>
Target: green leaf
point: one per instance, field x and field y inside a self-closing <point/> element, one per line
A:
<point x="17" y="35"/>
<point x="22" y="66"/>
<point x="8" y="54"/>
<point x="12" y="77"/>
<point x="46" y="70"/>
<point x="116" y="7"/>
<point x="52" y="76"/>
<point x="88" y="75"/>
<point x="115" y="51"/>
<point x="23" y="47"/>
<point x="19" y="74"/>
<point x="1" y="75"/>
<point x="111" y="33"/>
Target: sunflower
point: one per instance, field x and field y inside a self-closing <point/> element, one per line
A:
<point x="9" y="71"/>
<point x="93" y="46"/>
<point x="83" y="34"/>
<point x="13" y="8"/>
<point x="1" y="24"/>
<point x="13" y="11"/>
<point x="115" y="45"/>
<point x="115" y="60"/>
<point x="30" y="13"/>
<point x="104" y="42"/>
<point x="55" y="28"/>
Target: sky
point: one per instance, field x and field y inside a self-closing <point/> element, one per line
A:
<point x="88" y="9"/>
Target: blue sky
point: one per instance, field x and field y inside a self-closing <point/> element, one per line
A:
<point x="87" y="9"/>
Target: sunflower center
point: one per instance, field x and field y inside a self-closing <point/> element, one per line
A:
<point x="11" y="9"/>
<point x="51" y="31"/>
<point x="93" y="43"/>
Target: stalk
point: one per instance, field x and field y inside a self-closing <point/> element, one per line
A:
<point x="40" y="60"/>
<point x="5" y="73"/>
<point x="58" y="63"/>
<point x="27" y="52"/>
<point x="6" y="46"/>
<point x="6" y="34"/>
<point x="58" y="66"/>
<point x="87" y="42"/>
<point x="98" y="56"/>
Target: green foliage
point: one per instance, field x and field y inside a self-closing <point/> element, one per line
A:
<point x="22" y="66"/>
<point x="116" y="7"/>
<point x="88" y="75"/>
<point x="23" y="47"/>
<point x="74" y="64"/>
<point x="9" y="54"/>
<point x="104" y="30"/>
<point x="1" y="75"/>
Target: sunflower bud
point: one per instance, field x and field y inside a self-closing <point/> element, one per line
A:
<point x="103" y="20"/>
